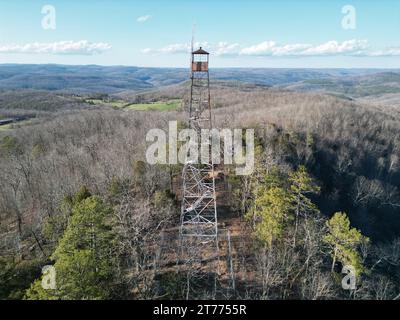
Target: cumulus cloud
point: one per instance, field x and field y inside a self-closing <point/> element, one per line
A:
<point x="169" y="49"/>
<point x="147" y="50"/>
<point x="226" y="49"/>
<point x="352" y="47"/>
<point x="144" y="18"/>
<point x="271" y="48"/>
<point x="262" y="48"/>
<point x="391" y="52"/>
<point x="175" y="48"/>
<point x="82" y="47"/>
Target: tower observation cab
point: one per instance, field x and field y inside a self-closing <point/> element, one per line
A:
<point x="200" y="60"/>
<point x="199" y="104"/>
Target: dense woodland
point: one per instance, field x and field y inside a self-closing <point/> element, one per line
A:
<point x="76" y="193"/>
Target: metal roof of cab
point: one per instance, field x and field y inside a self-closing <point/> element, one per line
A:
<point x="200" y="51"/>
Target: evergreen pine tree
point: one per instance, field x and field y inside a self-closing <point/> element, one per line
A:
<point x="344" y="242"/>
<point x="84" y="256"/>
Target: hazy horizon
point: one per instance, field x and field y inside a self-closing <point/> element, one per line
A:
<point x="159" y="67"/>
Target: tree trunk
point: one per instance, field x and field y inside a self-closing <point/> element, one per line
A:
<point x="334" y="260"/>
<point x="297" y="220"/>
<point x="231" y="271"/>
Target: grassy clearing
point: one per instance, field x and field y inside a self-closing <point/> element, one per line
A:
<point x="118" y="104"/>
<point x="159" y="106"/>
<point x="95" y="101"/>
<point x="114" y="103"/>
<point x="6" y="127"/>
<point x="15" y="125"/>
<point x="122" y="104"/>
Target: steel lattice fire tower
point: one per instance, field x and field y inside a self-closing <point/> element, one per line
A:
<point x="199" y="210"/>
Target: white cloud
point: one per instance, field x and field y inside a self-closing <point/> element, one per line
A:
<point x="289" y="49"/>
<point x="391" y="52"/>
<point x="144" y="18"/>
<point x="169" y="49"/>
<point x="271" y="48"/>
<point x="354" y="47"/>
<point x="226" y="49"/>
<point x="82" y="47"/>
<point x="350" y="47"/>
<point x="263" y="48"/>
<point x="175" y="48"/>
<point x="146" y="50"/>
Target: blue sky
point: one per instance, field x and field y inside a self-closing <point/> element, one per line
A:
<point x="238" y="33"/>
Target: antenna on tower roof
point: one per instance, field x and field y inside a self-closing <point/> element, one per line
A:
<point x="192" y="47"/>
<point x="193" y="34"/>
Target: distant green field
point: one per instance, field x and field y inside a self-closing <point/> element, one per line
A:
<point x="14" y="125"/>
<point x="6" y="127"/>
<point x="116" y="104"/>
<point x="159" y="106"/>
<point x="95" y="101"/>
<point x="122" y="104"/>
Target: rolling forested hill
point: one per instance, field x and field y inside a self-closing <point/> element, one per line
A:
<point x="326" y="140"/>
<point x="92" y="78"/>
